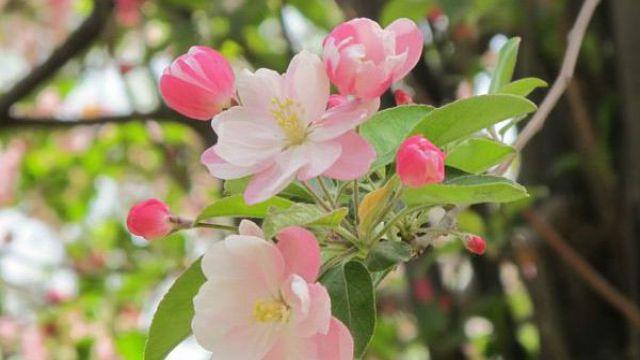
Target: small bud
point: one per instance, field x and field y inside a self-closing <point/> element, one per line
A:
<point x="150" y="219"/>
<point x="402" y="97"/>
<point x="475" y="244"/>
<point x="198" y="84"/>
<point x="419" y="162"/>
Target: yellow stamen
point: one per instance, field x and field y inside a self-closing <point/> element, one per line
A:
<point x="269" y="310"/>
<point x="287" y="114"/>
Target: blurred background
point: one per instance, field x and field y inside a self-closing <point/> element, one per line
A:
<point x="84" y="135"/>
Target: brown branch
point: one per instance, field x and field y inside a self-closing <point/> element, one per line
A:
<point x="27" y="122"/>
<point x="582" y="268"/>
<point x="79" y="40"/>
<point x="575" y="37"/>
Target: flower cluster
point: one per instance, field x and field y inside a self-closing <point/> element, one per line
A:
<point x="262" y="298"/>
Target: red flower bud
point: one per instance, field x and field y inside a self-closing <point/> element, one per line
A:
<point x="475" y="244"/>
<point x="150" y="219"/>
<point x="419" y="162"/>
<point x="402" y="97"/>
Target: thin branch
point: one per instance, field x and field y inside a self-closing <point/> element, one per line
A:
<point x="575" y="38"/>
<point x="583" y="269"/>
<point x="79" y="40"/>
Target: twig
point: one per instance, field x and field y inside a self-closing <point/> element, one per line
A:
<point x="79" y="40"/>
<point x="575" y="37"/>
<point x="582" y="268"/>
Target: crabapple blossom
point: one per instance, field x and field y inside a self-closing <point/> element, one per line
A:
<point x="198" y="84"/>
<point x="283" y="130"/>
<point x="419" y="162"/>
<point x="401" y="97"/>
<point x="363" y="60"/>
<point x="150" y="219"/>
<point x="261" y="300"/>
<point x="475" y="244"/>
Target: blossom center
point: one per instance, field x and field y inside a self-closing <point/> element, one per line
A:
<point x="269" y="310"/>
<point x="287" y="114"/>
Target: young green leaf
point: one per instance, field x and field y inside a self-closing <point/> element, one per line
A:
<point x="506" y="64"/>
<point x="477" y="155"/>
<point x="522" y="87"/>
<point x="372" y="204"/>
<point x="235" y="206"/>
<point x="463" y="118"/>
<point x="172" y="321"/>
<point x="470" y="189"/>
<point x="353" y="301"/>
<point x="303" y="215"/>
<point x="388" y="128"/>
<point x="386" y="254"/>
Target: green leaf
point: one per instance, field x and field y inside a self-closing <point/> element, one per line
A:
<point x="387" y="254"/>
<point x="303" y="215"/>
<point x="323" y="13"/>
<point x="465" y="117"/>
<point x="477" y="155"/>
<point x="412" y="9"/>
<point x="353" y="301"/>
<point x="471" y="189"/>
<point x="506" y="64"/>
<point x="522" y="87"/>
<point x="172" y="321"/>
<point x="386" y="130"/>
<point x="235" y="206"/>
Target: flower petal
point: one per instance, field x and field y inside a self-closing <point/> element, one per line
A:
<point x="274" y="179"/>
<point x="300" y="251"/>
<point x="355" y="161"/>
<point x="342" y="118"/>
<point x="337" y="344"/>
<point x="321" y="156"/>
<point x="256" y="90"/>
<point x="307" y="81"/>
<point x="408" y="38"/>
<point x="319" y="314"/>
<point x="221" y="169"/>
<point x="249" y="228"/>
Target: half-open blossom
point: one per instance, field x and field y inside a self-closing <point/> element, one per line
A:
<point x="198" y="84"/>
<point x="362" y="59"/>
<point x="283" y="131"/>
<point x="261" y="300"/>
<point x="150" y="219"/>
<point x="419" y="162"/>
<point x="475" y="244"/>
<point x="402" y="97"/>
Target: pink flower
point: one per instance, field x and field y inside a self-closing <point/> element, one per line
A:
<point x="128" y="12"/>
<point x="150" y="219"/>
<point x="419" y="162"/>
<point x="262" y="301"/>
<point x="198" y="84"/>
<point x="283" y="131"/>
<point x="363" y="59"/>
<point x="402" y="97"/>
<point x="475" y="244"/>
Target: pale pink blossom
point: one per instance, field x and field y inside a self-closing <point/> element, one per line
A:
<point x="419" y="162"/>
<point x="283" y="130"/>
<point x="363" y="60"/>
<point x="262" y="300"/>
<point x="198" y="84"/>
<point x="150" y="219"/>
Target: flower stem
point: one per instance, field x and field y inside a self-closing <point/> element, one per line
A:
<point x="215" y="226"/>
<point x="326" y="192"/>
<point x="356" y="199"/>
<point x="315" y="196"/>
<point x="404" y="212"/>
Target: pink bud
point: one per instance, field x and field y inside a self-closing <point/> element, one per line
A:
<point x="150" y="219"/>
<point x="419" y="162"/>
<point x="198" y="84"/>
<point x="475" y="244"/>
<point x="402" y="97"/>
<point x="363" y="60"/>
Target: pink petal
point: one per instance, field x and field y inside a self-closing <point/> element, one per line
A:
<point x="249" y="228"/>
<point x="337" y="344"/>
<point x="307" y="82"/>
<point x="292" y="347"/>
<point x="300" y="251"/>
<point x="319" y="314"/>
<point x="408" y="39"/>
<point x="321" y="157"/>
<point x="355" y="161"/>
<point x="257" y="90"/>
<point x="340" y="119"/>
<point x="221" y="169"/>
<point x="269" y="182"/>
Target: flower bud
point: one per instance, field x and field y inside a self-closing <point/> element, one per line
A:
<point x="402" y="97"/>
<point x="363" y="60"/>
<point x="419" y="162"/>
<point x="198" y="84"/>
<point x="150" y="219"/>
<point x="475" y="244"/>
